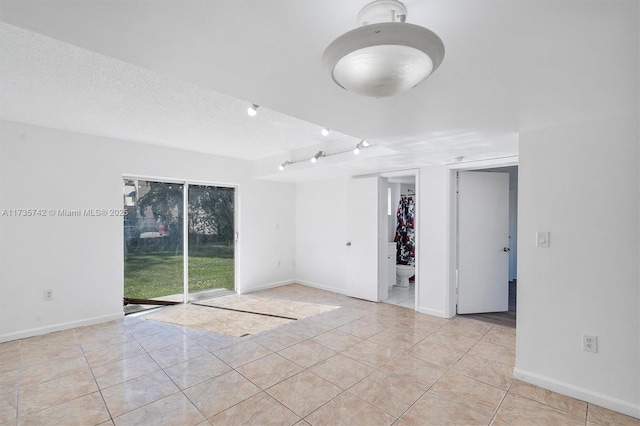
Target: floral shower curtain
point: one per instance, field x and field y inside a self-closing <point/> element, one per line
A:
<point x="405" y="232"/>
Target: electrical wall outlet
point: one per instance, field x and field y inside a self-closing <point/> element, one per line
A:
<point x="590" y="343"/>
<point x="48" y="294"/>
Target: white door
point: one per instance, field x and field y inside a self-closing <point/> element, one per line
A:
<point x="483" y="242"/>
<point x="366" y="271"/>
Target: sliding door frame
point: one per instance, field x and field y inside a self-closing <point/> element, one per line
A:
<point x="185" y="225"/>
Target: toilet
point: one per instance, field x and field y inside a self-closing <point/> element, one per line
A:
<point x="404" y="272"/>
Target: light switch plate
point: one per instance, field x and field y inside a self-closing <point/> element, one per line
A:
<point x="542" y="239"/>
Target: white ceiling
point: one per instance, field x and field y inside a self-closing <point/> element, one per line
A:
<point x="182" y="73"/>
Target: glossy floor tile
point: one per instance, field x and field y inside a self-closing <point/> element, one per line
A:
<point x="402" y="296"/>
<point x="352" y="363"/>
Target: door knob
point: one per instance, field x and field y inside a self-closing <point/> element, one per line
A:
<point x="506" y="249"/>
<point x="348" y="243"/>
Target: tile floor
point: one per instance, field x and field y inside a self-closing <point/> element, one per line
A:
<point x="362" y="364"/>
<point x="403" y="296"/>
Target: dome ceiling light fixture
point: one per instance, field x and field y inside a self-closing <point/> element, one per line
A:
<point x="385" y="56"/>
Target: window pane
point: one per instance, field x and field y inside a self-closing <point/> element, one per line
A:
<point x="211" y="241"/>
<point x="153" y="243"/>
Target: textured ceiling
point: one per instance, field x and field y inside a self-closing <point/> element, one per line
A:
<point x="59" y="85"/>
<point x="182" y="73"/>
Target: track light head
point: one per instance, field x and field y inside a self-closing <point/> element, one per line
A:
<point x="253" y="110"/>
<point x="318" y="155"/>
<point x="284" y="164"/>
<point x="359" y="146"/>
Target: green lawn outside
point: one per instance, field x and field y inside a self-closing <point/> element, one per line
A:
<point x="149" y="274"/>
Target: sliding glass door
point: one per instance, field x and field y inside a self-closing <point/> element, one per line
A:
<point x="211" y="241"/>
<point x="153" y="242"/>
<point x="169" y="256"/>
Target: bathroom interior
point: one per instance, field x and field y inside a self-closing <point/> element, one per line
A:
<point x="401" y="238"/>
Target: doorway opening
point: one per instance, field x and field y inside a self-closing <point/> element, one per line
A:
<point x="401" y="240"/>
<point x="503" y="285"/>
<point x="179" y="243"/>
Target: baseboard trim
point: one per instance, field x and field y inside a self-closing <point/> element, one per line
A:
<point x="583" y="394"/>
<point x="322" y="287"/>
<point x="267" y="286"/>
<point x="432" y="312"/>
<point x="59" y="327"/>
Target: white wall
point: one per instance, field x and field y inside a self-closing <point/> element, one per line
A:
<point x="405" y="187"/>
<point x="81" y="258"/>
<point x="267" y="236"/>
<point x="321" y="234"/>
<point x="433" y="263"/>
<point x="392" y="219"/>
<point x="580" y="182"/>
